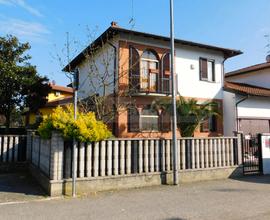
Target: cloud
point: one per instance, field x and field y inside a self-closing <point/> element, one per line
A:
<point x="29" y="31"/>
<point x="22" y="4"/>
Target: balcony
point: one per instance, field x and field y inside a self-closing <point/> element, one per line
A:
<point x="151" y="85"/>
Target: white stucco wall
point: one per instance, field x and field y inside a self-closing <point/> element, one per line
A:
<point x="188" y="70"/>
<point x="258" y="78"/>
<point x="254" y="107"/>
<point x="92" y="71"/>
<point x="229" y="119"/>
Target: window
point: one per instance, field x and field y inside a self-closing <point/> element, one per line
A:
<point x="134" y="69"/>
<point x="207" y="70"/>
<point x="57" y="93"/>
<point x="149" y="71"/>
<point x="165" y="121"/>
<point x="133" y="119"/>
<point x="149" y="119"/>
<point x="209" y="125"/>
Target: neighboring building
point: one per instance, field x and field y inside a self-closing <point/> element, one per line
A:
<point x="139" y="63"/>
<point x="58" y="96"/>
<point x="247" y="100"/>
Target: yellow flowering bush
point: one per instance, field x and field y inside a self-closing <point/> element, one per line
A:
<point x="86" y="128"/>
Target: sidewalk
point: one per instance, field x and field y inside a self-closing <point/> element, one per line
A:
<point x="245" y="198"/>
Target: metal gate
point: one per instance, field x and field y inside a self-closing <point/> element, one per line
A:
<point x="252" y="155"/>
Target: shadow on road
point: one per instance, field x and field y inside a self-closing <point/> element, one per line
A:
<point x="261" y="179"/>
<point x="18" y="183"/>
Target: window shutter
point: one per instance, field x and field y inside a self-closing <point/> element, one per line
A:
<point x="133" y="120"/>
<point x="203" y="69"/>
<point x="213" y="126"/>
<point x="134" y="69"/>
<point x="165" y="121"/>
<point x="165" y="81"/>
<point x="213" y="72"/>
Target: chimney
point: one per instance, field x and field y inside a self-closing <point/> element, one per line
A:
<point x="268" y="58"/>
<point x="114" y="24"/>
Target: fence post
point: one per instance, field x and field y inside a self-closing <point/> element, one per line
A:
<point x="109" y="158"/>
<point x="239" y="147"/>
<point x="5" y="149"/>
<point x="81" y="162"/>
<point x="29" y="144"/>
<point x="56" y="162"/>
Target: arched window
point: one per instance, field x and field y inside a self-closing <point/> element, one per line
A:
<point x="149" y="71"/>
<point x="134" y="69"/>
<point x="133" y="119"/>
<point x="149" y="119"/>
<point x="165" y="76"/>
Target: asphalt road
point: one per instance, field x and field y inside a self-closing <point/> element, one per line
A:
<point x="245" y="198"/>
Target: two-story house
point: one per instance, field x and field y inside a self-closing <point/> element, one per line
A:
<point x="136" y="66"/>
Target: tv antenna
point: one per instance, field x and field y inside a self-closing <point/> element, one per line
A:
<point x="132" y="19"/>
<point x="267" y="37"/>
<point x="267" y="46"/>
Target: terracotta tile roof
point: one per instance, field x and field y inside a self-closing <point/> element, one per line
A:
<point x="247" y="89"/>
<point x="60" y="101"/>
<point x="61" y="88"/>
<point x="248" y="69"/>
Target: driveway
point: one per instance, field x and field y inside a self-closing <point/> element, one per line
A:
<point x="244" y="198"/>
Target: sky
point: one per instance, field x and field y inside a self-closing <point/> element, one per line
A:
<point x="48" y="25"/>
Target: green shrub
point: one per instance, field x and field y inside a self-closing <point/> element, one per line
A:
<point x="86" y="128"/>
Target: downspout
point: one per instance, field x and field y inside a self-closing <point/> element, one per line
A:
<point x="236" y="111"/>
<point x="114" y="85"/>
<point x="222" y="83"/>
<point x="223" y="71"/>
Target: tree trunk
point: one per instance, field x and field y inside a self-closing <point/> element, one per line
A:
<point x="7" y="123"/>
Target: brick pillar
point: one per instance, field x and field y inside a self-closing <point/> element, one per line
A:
<point x="56" y="157"/>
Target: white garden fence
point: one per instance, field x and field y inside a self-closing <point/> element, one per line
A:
<point x="12" y="148"/>
<point x="123" y="163"/>
<point x="131" y="156"/>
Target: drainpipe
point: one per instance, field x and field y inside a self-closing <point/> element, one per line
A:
<point x="222" y="83"/>
<point x="114" y="84"/>
<point x="236" y="111"/>
<point x="223" y="70"/>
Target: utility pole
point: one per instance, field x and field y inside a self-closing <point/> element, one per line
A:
<point x="74" y="164"/>
<point x="174" y="119"/>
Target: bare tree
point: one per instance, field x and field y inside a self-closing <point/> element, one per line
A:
<point x="99" y="90"/>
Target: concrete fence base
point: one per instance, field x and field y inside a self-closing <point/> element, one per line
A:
<point x="90" y="185"/>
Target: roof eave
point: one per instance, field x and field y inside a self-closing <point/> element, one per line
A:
<point x="111" y="31"/>
<point x="106" y="35"/>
